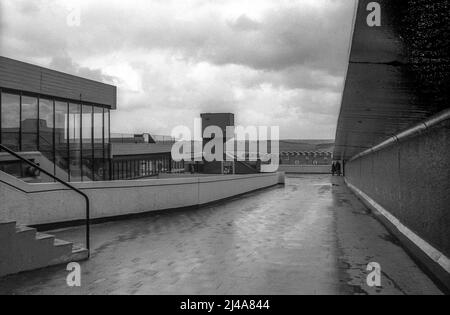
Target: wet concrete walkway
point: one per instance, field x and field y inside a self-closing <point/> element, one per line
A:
<point x="311" y="236"/>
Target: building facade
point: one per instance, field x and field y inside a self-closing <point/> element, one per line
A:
<point x="142" y="160"/>
<point x="66" y="119"/>
<point x="306" y="158"/>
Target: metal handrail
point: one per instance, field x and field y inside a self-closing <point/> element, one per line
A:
<point x="87" y="221"/>
<point x="411" y="132"/>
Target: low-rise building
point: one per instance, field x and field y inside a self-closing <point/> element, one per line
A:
<point x="142" y="160"/>
<point x="306" y="152"/>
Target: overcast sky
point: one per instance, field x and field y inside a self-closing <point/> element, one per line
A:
<point x="271" y="62"/>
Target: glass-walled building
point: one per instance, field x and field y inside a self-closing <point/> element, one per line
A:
<point x="139" y="167"/>
<point x="142" y="160"/>
<point x="71" y="137"/>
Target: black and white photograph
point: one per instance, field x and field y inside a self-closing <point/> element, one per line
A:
<point x="224" y="156"/>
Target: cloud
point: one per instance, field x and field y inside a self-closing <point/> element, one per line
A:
<point x="282" y="37"/>
<point x="66" y="64"/>
<point x="272" y="61"/>
<point x="29" y="7"/>
<point x="244" y="24"/>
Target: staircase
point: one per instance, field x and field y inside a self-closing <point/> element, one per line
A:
<point x="24" y="249"/>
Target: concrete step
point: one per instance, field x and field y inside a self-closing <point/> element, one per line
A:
<point x="62" y="248"/>
<point x="10" y="224"/>
<point x="47" y="240"/>
<point x="25" y="233"/>
<point x="80" y="254"/>
<point x="25" y="249"/>
<point x="7" y="228"/>
<point x="61" y="243"/>
<point x="23" y="228"/>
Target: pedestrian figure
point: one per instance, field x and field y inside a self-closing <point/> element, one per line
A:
<point x="338" y="168"/>
<point x="333" y="168"/>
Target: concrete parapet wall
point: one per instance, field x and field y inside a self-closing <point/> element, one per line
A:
<point x="411" y="181"/>
<point x="36" y="204"/>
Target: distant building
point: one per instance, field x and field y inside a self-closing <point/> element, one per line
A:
<point x="306" y="152"/>
<point x="140" y="138"/>
<point x="142" y="160"/>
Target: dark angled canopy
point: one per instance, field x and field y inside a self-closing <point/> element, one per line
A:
<point x="26" y="77"/>
<point x="398" y="73"/>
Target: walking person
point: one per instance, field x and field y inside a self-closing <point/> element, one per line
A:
<point x="338" y="168"/>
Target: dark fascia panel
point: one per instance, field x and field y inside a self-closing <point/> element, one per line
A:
<point x="381" y="96"/>
<point x="21" y="76"/>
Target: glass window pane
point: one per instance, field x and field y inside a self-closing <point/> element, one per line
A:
<point x="129" y="169"/>
<point x="75" y="142"/>
<point x="106" y="124"/>
<point x="29" y="123"/>
<point x="120" y="170"/>
<point x="61" y="138"/>
<point x="14" y="168"/>
<point x="98" y="125"/>
<point x="106" y="167"/>
<point x="10" y="122"/>
<point x="87" y="159"/>
<point x="87" y="124"/>
<point x="107" y="148"/>
<point x="99" y="157"/>
<point x="99" y="167"/>
<point x="10" y="127"/>
<point x="46" y="128"/>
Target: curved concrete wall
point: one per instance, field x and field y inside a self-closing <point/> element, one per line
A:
<point x="35" y="204"/>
